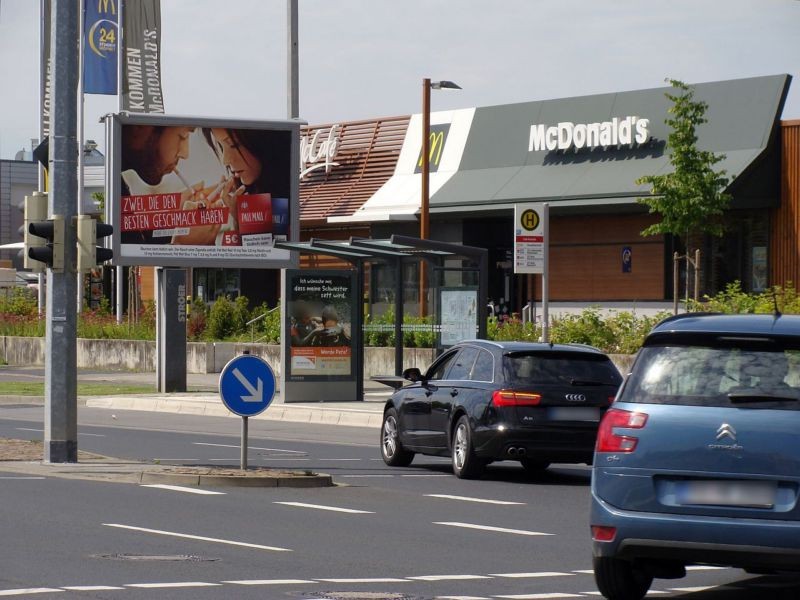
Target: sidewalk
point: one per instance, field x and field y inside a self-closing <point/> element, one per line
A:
<point x="205" y="400"/>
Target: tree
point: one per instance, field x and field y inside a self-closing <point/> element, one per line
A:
<point x="692" y="198"/>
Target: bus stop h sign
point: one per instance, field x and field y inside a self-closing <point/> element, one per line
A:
<point x="247" y="385"/>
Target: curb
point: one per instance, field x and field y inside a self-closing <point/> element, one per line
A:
<point x="283" y="481"/>
<point x="319" y="415"/>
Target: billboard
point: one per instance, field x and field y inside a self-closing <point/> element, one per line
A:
<point x="190" y="192"/>
<point x="319" y="312"/>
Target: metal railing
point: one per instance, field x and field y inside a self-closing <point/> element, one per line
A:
<point x="252" y="324"/>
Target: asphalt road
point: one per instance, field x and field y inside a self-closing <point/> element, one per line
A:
<point x="415" y="532"/>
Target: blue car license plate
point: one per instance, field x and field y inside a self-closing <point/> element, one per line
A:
<point x="746" y="494"/>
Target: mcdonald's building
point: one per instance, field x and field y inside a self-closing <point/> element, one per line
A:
<point x="583" y="157"/>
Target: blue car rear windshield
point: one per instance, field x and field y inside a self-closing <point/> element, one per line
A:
<point x="565" y="368"/>
<point x="728" y="375"/>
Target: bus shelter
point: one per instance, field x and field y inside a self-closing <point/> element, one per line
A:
<point x="457" y="276"/>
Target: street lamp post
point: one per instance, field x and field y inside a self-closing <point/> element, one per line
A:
<point x="424" y="211"/>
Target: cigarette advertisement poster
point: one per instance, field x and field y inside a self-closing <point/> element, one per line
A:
<point x="192" y="193"/>
<point x="458" y="308"/>
<point x="320" y="306"/>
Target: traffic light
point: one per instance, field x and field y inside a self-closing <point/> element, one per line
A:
<point x="39" y="242"/>
<point x="49" y="249"/>
<point x="89" y="253"/>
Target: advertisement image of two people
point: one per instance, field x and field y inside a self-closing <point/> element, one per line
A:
<point x="184" y="187"/>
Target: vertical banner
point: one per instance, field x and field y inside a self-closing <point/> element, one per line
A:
<point x="100" y="40"/>
<point x="141" y="59"/>
<point x="45" y="70"/>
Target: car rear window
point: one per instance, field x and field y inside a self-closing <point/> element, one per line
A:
<point x="568" y="368"/>
<point x="754" y="376"/>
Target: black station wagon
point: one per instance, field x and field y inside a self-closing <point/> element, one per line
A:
<point x="485" y="401"/>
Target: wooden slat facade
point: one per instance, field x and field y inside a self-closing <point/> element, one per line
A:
<point x="366" y="157"/>
<point x="586" y="259"/>
<point x="784" y="249"/>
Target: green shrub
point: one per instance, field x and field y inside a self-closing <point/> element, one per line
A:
<point x="732" y="300"/>
<point x="220" y="323"/>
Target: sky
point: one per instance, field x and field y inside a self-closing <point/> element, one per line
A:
<point x="361" y="59"/>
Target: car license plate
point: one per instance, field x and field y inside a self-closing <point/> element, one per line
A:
<point x="747" y="494"/>
<point x="573" y="413"/>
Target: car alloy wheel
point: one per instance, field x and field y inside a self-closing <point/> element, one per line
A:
<point x="392" y="450"/>
<point x="466" y="465"/>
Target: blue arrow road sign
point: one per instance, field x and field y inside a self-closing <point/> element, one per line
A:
<point x="247" y="385"/>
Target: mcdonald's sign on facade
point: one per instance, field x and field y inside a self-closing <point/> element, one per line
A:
<point x="438" y="139"/>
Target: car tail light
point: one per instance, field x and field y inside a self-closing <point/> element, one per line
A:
<point x="608" y="441"/>
<point x="603" y="533"/>
<point x="512" y="398"/>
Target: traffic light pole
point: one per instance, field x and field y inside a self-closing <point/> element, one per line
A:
<point x="61" y="406"/>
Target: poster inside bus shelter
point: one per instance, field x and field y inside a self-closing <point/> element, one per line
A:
<point x="197" y="192"/>
<point x="320" y="308"/>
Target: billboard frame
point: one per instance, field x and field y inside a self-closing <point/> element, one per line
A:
<point x="113" y="210"/>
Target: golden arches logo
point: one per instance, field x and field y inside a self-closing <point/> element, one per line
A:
<point x="436" y="145"/>
<point x="529" y="219"/>
<point x="103" y="6"/>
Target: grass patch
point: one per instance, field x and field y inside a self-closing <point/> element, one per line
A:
<point x="26" y="388"/>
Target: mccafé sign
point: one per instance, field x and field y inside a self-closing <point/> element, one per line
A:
<point x="630" y="131"/>
<point x="317" y="152"/>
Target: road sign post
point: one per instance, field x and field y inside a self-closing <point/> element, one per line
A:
<point x="247" y="387"/>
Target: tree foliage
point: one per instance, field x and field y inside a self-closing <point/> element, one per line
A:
<point x="690" y="199"/>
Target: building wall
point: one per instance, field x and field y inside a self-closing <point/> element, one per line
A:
<point x="586" y="259"/>
<point x="784" y="248"/>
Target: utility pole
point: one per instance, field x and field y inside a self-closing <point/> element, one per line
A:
<point x="292" y="53"/>
<point x="61" y="406"/>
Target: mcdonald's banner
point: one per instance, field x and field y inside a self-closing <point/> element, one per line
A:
<point x="438" y="138"/>
<point x="141" y="58"/>
<point x="45" y="70"/>
<point x="100" y="46"/>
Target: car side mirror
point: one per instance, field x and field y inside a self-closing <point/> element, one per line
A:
<point x="413" y="374"/>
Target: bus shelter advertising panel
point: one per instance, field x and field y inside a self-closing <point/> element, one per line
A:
<point x="320" y="308"/>
<point x="190" y="192"/>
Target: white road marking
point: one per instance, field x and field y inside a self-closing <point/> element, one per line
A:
<point x="448" y="577"/>
<point x="489" y="528"/>
<point x="539" y="596"/>
<point x="427" y="475"/>
<point x="461" y="598"/>
<point x="322" y="507"/>
<point x="177" y="459"/>
<point x="197" y="537"/>
<point x="21" y="477"/>
<point x="367" y="580"/>
<point x="29" y="429"/>
<point x="224" y="459"/>
<point x="91" y="588"/>
<point x="25" y="591"/>
<point x="531" y="575"/>
<point x="174" y="584"/>
<point x="178" y="488"/>
<point x="251" y="447"/>
<point x="585" y="572"/>
<point x="471" y="499"/>
<point x="700" y="588"/>
<point x="706" y="568"/>
<point x="273" y="459"/>
<point x="341" y="459"/>
<point x="269" y="581"/>
<point x="93" y="434"/>
<point x="363" y="476"/>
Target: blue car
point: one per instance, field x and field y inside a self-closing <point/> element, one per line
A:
<point x="698" y="459"/>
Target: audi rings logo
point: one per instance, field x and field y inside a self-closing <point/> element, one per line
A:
<point x="575" y="397"/>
